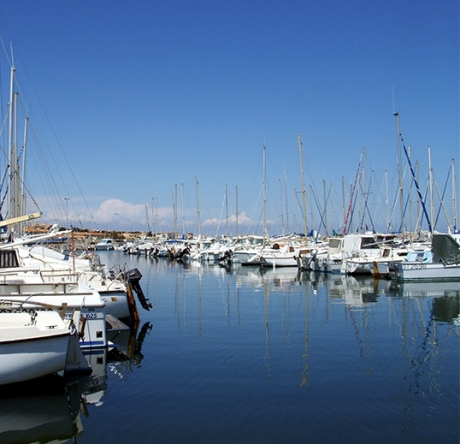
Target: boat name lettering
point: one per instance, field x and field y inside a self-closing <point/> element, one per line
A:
<point x="90" y="315"/>
<point x="414" y="267"/>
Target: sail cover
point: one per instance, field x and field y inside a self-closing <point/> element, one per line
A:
<point x="445" y="249"/>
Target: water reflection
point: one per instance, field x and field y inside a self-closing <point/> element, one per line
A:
<point x="119" y="361"/>
<point x="285" y="352"/>
<point x="49" y="410"/>
<point x="278" y="278"/>
<point x="44" y="411"/>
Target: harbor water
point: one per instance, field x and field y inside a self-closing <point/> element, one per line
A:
<point x="250" y="355"/>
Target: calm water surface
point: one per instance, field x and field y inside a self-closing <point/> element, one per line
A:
<point x="251" y="356"/>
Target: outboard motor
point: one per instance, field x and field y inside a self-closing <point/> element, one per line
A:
<point x="133" y="277"/>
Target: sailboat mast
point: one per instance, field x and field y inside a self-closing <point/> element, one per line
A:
<point x="23" y="172"/>
<point x="153" y="218"/>
<point x="325" y="208"/>
<point x="430" y="172"/>
<point x="454" y="196"/>
<point x="183" y="207"/>
<point x="344" y="214"/>
<point x="175" y="209"/>
<point x="198" y="209"/>
<point x="265" y="191"/>
<point x="236" y="212"/>
<point x="14" y="192"/>
<point x="226" y="211"/>
<point x="16" y="188"/>
<point x="387" y="202"/>
<point x="147" y="218"/>
<point x="400" y="175"/>
<point x="281" y="206"/>
<point x="287" y="206"/>
<point x="304" y="191"/>
<point x="11" y="154"/>
<point x="363" y="193"/>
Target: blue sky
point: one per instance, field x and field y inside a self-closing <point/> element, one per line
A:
<point x="132" y="103"/>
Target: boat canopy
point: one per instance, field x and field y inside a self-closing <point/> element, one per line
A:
<point x="445" y="249"/>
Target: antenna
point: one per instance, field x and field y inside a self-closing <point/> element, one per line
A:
<point x="393" y="98"/>
<point x="12" y="55"/>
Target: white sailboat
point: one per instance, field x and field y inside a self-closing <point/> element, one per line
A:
<point x="74" y="297"/>
<point x="23" y="260"/>
<point x="33" y="342"/>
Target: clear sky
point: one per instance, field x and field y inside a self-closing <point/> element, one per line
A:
<point x="137" y="107"/>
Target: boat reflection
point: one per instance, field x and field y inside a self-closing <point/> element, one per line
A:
<point x="425" y="289"/>
<point x="42" y="411"/>
<point x="120" y="361"/>
<point x="355" y="291"/>
<point x="48" y="410"/>
<point x="277" y="278"/>
<point x="445" y="295"/>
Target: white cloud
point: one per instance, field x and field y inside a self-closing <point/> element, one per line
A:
<point x="116" y="214"/>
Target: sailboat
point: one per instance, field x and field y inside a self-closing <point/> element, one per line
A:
<point x="250" y="254"/>
<point x="24" y="260"/>
<point x="35" y="343"/>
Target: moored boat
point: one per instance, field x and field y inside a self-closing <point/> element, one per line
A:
<point x="87" y="301"/>
<point x="26" y="262"/>
<point x="441" y="263"/>
<point x="105" y="245"/>
<point x="33" y="343"/>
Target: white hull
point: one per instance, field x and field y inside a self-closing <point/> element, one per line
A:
<point x="357" y="266"/>
<point x="279" y="261"/>
<point x="416" y="271"/>
<point x="89" y="302"/>
<point x="113" y="292"/>
<point x="40" y="265"/>
<point x="105" y="245"/>
<point x="247" y="257"/>
<point x="30" y="350"/>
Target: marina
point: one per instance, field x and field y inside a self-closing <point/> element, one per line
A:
<point x="249" y="354"/>
<point x="319" y="302"/>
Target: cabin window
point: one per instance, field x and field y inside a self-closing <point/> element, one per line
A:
<point x="8" y="259"/>
<point x="334" y="243"/>
<point x="368" y="242"/>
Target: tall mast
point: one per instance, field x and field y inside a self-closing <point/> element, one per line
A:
<point x="226" y="211"/>
<point x="387" y="202"/>
<point x="15" y="166"/>
<point x="287" y="207"/>
<point x="409" y="180"/>
<point x="344" y="214"/>
<point x="400" y="175"/>
<point x="362" y="207"/>
<point x="325" y="208"/>
<point x="281" y="205"/>
<point x="11" y="153"/>
<point x="155" y="215"/>
<point x="430" y="172"/>
<point x="236" y="212"/>
<point x="147" y="218"/>
<point x="23" y="172"/>
<point x="265" y="192"/>
<point x="175" y="209"/>
<point x="415" y="181"/>
<point x="454" y="197"/>
<point x="153" y="218"/>
<point x="352" y="193"/>
<point x="304" y="191"/>
<point x="198" y="209"/>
